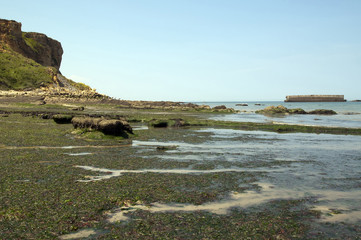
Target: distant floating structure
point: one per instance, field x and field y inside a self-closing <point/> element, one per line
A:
<point x="315" y="98"/>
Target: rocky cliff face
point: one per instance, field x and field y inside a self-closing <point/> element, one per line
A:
<point x="36" y="46"/>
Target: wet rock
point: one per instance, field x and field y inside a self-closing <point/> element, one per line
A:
<point x="178" y="122"/>
<point x="283" y="110"/>
<point x="322" y="112"/>
<point x="274" y="110"/>
<point x="221" y="107"/>
<point x="297" y="111"/>
<point x="166" y="148"/>
<point x="242" y="104"/>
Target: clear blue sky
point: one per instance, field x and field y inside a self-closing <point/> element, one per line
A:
<point x="203" y="50"/>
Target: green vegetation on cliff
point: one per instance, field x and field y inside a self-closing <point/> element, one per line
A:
<point x="32" y="43"/>
<point x="18" y="72"/>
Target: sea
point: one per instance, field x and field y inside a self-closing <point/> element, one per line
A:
<point x="348" y="113"/>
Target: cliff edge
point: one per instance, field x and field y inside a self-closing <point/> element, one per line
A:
<point x="36" y="46"/>
<point x="30" y="63"/>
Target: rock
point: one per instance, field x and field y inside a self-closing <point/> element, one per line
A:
<point x="221" y="107"/>
<point x="242" y="104"/>
<point x="297" y="111"/>
<point x="178" y="122"/>
<point x="166" y="148"/>
<point x="116" y="127"/>
<point x="273" y="110"/>
<point x="36" y="46"/>
<point x="322" y="112"/>
<point x="112" y="127"/>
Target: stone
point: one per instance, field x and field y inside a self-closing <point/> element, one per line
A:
<point x="221" y="107"/>
<point x="116" y="127"/>
<point x="322" y="112"/>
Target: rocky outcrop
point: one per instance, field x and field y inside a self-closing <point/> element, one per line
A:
<point x="36" y="46"/>
<point x="272" y="110"/>
<point x="116" y="127"/>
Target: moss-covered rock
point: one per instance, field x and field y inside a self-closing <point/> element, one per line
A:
<point x="270" y="110"/>
<point x="116" y="127"/>
<point x="274" y="110"/>
<point x="322" y="112"/>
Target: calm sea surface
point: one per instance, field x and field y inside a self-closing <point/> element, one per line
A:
<point x="348" y="113"/>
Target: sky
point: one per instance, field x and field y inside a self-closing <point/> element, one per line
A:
<point x="203" y="50"/>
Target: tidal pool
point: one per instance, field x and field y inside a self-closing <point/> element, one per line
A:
<point x="322" y="169"/>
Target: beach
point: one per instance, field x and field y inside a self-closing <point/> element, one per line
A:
<point x="175" y="182"/>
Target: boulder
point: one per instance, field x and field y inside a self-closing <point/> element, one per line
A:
<point x="273" y="110"/>
<point x="322" y="112"/>
<point x="297" y="111"/>
<point x="116" y="127"/>
<point x="221" y="107"/>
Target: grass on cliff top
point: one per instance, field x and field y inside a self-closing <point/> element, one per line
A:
<point x="18" y="72"/>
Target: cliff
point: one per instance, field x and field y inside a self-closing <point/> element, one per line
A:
<point x="29" y="66"/>
<point x="315" y="98"/>
<point x="36" y="46"/>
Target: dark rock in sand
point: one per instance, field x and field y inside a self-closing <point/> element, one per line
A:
<point x="297" y="111"/>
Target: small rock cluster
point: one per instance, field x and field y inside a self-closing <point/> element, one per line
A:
<point x="283" y="110"/>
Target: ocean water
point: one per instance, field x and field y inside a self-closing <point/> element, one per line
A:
<point x="348" y="113"/>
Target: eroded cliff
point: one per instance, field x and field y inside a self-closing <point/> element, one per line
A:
<point x="37" y="46"/>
